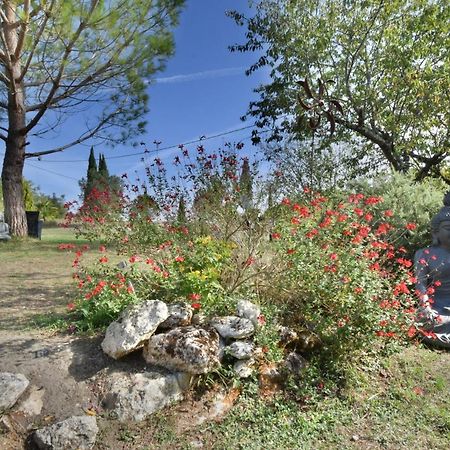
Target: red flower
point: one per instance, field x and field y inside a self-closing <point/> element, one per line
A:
<point x="285" y="201"/>
<point x="249" y="261"/>
<point x="261" y="319"/>
<point x="194" y="296"/>
<point x="333" y="256"/>
<point x="303" y="211"/>
<point x="196" y="305"/>
<point x="276" y="235"/>
<point x="312" y="233"/>
<point x="102" y="248"/>
<point x="411" y="226"/>
<point x="404" y="262"/>
<point x="134" y="259"/>
<point x="401" y="288"/>
<point x="290" y="251"/>
<point x="388" y="213"/>
<point x="149" y="261"/>
<point x="179" y="259"/>
<point x="437" y="283"/>
<point x="71" y="306"/>
<point x="412" y="331"/>
<point x="103" y="259"/>
<point x="373" y="200"/>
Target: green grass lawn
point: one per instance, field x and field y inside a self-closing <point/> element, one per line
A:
<point x="36" y="279"/>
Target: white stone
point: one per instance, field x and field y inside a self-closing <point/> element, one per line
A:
<point x="244" y="368"/>
<point x="180" y="315"/>
<point x="12" y="386"/>
<point x="134" y="327"/>
<point x="233" y="327"/>
<point x="137" y="396"/>
<point x="248" y="310"/>
<point x="77" y="432"/>
<point x="241" y="349"/>
<point x="186" y="349"/>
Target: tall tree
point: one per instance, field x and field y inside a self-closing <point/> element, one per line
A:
<point x="246" y="186"/>
<point x="389" y="69"/>
<point x="102" y="166"/>
<point x="90" y="176"/>
<point x="60" y="56"/>
<point x="181" y="213"/>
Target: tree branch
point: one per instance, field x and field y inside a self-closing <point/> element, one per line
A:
<point x="23" y="30"/>
<point x="81" y="139"/>
<point x="36" y="41"/>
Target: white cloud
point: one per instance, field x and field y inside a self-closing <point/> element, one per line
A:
<point x="218" y="73"/>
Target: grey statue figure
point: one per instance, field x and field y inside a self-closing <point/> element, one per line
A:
<point x="432" y="268"/>
<point x="4" y="229"/>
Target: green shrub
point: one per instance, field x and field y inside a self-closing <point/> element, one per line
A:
<point x="409" y="201"/>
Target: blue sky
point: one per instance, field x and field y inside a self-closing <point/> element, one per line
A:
<point x="203" y="91"/>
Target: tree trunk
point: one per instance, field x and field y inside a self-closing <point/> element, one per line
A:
<point x="12" y="188"/>
<point x="15" y="143"/>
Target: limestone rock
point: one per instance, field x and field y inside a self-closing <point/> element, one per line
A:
<point x="241" y="349"/>
<point x="248" y="310"/>
<point x="199" y="319"/>
<point x="244" y="367"/>
<point x="187" y="349"/>
<point x="77" y="432"/>
<point x="134" y="326"/>
<point x="12" y="386"/>
<point x="180" y="315"/>
<point x="233" y="327"/>
<point x="136" y="396"/>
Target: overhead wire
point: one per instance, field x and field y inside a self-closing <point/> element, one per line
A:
<point x="161" y="149"/>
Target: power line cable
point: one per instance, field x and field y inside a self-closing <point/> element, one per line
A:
<point x="152" y="151"/>
<point x="51" y="171"/>
<point x="170" y="147"/>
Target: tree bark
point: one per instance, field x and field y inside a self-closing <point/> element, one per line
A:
<point x="13" y="162"/>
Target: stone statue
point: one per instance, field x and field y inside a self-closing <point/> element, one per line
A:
<point x="432" y="267"/>
<point x="4" y="229"/>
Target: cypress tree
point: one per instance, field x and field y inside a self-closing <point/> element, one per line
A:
<point x="181" y="214"/>
<point x="246" y="186"/>
<point x="102" y="167"/>
<point x="91" y="174"/>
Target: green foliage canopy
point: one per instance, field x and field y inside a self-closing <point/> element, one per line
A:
<point x="388" y="63"/>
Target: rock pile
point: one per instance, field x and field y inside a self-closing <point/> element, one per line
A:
<point x="180" y="343"/>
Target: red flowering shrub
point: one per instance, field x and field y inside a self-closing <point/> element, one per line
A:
<point x="345" y="280"/>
